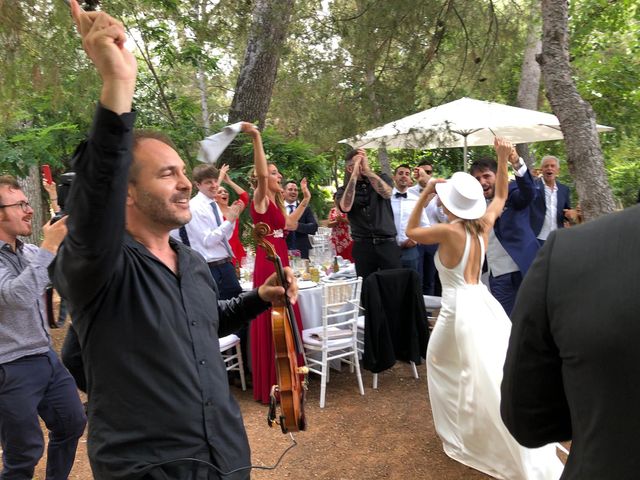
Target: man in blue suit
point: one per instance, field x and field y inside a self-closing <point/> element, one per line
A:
<point x="307" y="225"/>
<point x="512" y="243"/>
<point x="552" y="204"/>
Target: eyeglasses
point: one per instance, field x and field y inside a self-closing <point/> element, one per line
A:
<point x="25" y="206"/>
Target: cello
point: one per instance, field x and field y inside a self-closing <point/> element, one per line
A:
<point x="290" y="388"/>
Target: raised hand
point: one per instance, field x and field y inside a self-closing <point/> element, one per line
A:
<point x="503" y="149"/>
<point x="306" y="194"/>
<point x="103" y="39"/>
<point x="249" y="129"/>
<point x="50" y="188"/>
<point x="223" y="173"/>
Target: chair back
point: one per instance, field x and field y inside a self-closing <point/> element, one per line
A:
<point x="340" y="307"/>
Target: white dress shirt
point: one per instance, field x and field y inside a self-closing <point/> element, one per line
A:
<point x="288" y="208"/>
<point x="205" y="235"/>
<point x="435" y="212"/>
<point x="402" y="208"/>
<point x="551" y="211"/>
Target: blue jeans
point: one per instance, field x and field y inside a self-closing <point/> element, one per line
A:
<point x="38" y="385"/>
<point x="227" y="280"/>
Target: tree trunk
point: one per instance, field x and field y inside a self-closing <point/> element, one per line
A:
<point x="258" y="73"/>
<point x="383" y="156"/>
<point x="204" y="104"/>
<point x="33" y="191"/>
<point x="254" y="87"/>
<point x="529" y="88"/>
<point x="577" y="120"/>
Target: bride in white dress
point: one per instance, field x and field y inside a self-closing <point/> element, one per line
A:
<point x="468" y="345"/>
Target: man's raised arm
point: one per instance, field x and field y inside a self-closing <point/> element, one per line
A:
<point x="98" y="194"/>
<point x="103" y="39"/>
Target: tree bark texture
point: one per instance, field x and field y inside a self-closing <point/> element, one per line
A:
<point x="383" y="156"/>
<point x="258" y="73"/>
<point x="577" y="119"/>
<point x="529" y="88"/>
<point x="31" y="186"/>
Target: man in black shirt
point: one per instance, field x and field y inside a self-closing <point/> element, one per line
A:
<point x="145" y="307"/>
<point x="365" y="198"/>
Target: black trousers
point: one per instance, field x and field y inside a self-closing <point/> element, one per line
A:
<point x="371" y="255"/>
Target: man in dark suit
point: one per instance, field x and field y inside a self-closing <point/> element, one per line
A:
<point x="552" y="205"/>
<point x="307" y="225"/>
<point x="573" y="357"/>
<point x="512" y="244"/>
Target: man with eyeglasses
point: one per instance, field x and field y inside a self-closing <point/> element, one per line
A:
<point x="33" y="381"/>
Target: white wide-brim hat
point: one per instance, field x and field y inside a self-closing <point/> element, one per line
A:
<point x="462" y="195"/>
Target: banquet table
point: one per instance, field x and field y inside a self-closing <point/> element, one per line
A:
<point x="309" y="302"/>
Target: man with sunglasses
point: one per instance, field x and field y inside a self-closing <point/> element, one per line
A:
<point x="33" y="382"/>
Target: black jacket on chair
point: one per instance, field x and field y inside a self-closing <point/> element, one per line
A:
<point x="395" y="319"/>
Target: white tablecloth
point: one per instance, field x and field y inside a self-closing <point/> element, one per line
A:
<point x="310" y="303"/>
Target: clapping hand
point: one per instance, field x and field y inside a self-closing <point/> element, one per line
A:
<point x="306" y="194"/>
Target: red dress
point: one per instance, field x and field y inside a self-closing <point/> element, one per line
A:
<point x="236" y="245"/>
<point x="341" y="235"/>
<point x="262" y="352"/>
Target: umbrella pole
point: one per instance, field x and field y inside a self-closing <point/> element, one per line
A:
<point x="465" y="165"/>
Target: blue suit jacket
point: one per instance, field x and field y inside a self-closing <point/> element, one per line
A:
<point x="513" y="228"/>
<point x="539" y="206"/>
<point x="299" y="240"/>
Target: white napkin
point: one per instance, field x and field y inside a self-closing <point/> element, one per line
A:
<point x="344" y="273"/>
<point x="212" y="147"/>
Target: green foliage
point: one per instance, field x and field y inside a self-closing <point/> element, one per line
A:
<point x="623" y="167"/>
<point x="349" y="65"/>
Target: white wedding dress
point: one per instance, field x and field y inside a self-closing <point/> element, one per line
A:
<point x="465" y="357"/>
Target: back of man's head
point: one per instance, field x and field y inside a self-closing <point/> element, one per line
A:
<point x="205" y="172"/>
<point x="483" y="164"/>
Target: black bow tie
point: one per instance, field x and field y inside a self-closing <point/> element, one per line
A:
<point x="403" y="195"/>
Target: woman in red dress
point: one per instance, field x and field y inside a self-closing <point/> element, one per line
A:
<point x="268" y="207"/>
<point x="222" y="199"/>
<point x="340" y="233"/>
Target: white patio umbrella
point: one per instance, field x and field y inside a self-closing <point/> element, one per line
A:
<point x="463" y="123"/>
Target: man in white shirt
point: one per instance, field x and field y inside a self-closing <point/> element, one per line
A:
<point x="402" y="203"/>
<point x="208" y="232"/>
<point x="552" y="204"/>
